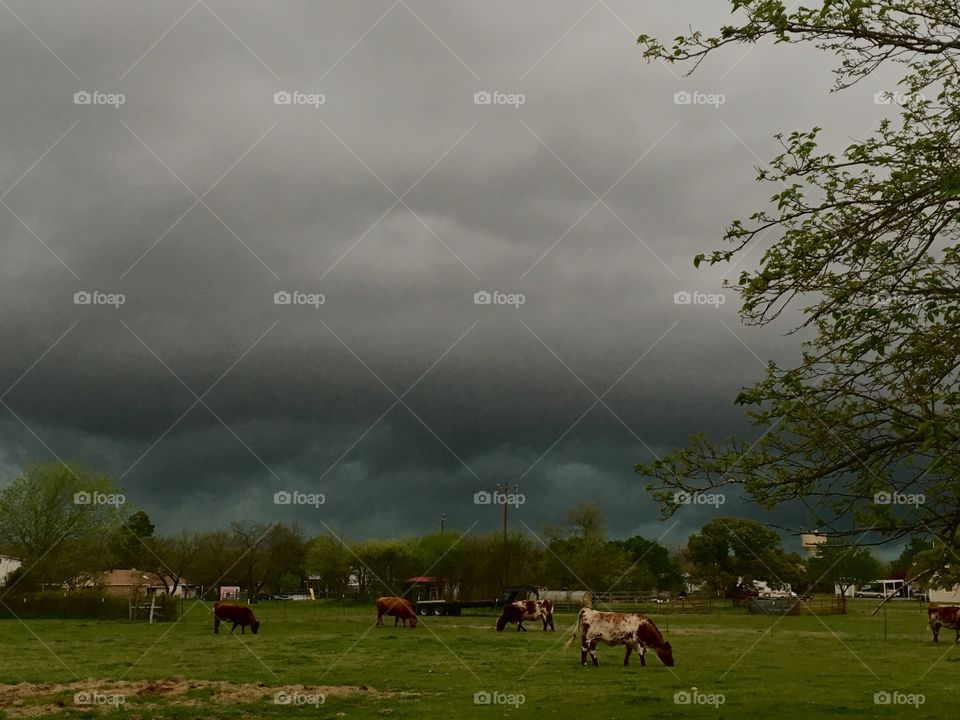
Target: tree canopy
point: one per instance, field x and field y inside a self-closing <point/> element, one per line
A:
<point x="863" y="428"/>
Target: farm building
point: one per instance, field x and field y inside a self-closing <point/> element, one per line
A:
<point x="8" y="564"/>
<point x="134" y="582"/>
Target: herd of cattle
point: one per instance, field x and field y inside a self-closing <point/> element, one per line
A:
<point x="633" y="630"/>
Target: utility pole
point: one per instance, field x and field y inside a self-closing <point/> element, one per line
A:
<point x="505" y="489"/>
<point x="443" y="519"/>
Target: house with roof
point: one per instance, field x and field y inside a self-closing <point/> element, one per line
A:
<point x="8" y="564"/>
<point x="133" y="582"/>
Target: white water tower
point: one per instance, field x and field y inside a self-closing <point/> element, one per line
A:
<point x="811" y="541"/>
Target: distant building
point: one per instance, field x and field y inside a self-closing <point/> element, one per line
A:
<point x="136" y="582"/>
<point x="8" y="564"/>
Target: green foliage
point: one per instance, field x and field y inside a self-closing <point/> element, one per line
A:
<point x="652" y="568"/>
<point x="843" y="565"/>
<point x="330" y="560"/>
<point x="906" y="565"/>
<point x="45" y="521"/>
<point x="731" y="553"/>
<point x="865" y="249"/>
<point x="129" y="542"/>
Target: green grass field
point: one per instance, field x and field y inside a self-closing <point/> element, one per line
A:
<point x="794" y="667"/>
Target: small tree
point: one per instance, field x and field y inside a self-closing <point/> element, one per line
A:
<point x="731" y="553"/>
<point x="843" y="566"/>
<point x="331" y="562"/>
<point x="174" y="557"/>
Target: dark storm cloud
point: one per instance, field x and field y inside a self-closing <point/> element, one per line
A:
<point x="398" y="199"/>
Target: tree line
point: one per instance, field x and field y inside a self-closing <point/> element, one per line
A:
<point x="68" y="541"/>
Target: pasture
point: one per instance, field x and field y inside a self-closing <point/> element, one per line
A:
<point x="792" y="667"/>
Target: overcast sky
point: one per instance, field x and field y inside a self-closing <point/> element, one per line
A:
<point x="387" y="187"/>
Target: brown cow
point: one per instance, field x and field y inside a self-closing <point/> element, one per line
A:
<point x="517" y="612"/>
<point x="634" y="630"/>
<point x="399" y="608"/>
<point x="947" y="616"/>
<point x="237" y="614"/>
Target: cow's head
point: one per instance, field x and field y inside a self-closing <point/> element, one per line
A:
<point x="413" y="620"/>
<point x="254" y="626"/>
<point x="665" y="653"/>
<point x="501" y="622"/>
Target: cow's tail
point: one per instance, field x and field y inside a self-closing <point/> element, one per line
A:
<point x="576" y="629"/>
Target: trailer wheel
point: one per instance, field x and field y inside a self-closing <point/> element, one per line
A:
<point x="423" y="610"/>
<point x="438" y="611"/>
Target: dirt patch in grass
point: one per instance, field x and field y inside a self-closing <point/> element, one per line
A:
<point x="43" y="699"/>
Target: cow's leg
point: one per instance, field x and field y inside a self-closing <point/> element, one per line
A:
<point x="216" y="624"/>
<point x="396" y="619"/>
<point x="642" y="651"/>
<point x="593" y="653"/>
<point x="379" y="618"/>
<point x="233" y="628"/>
<point x="583" y="649"/>
<point x="626" y="658"/>
<point x="958" y="634"/>
<point x="935" y="626"/>
<point x="521" y="627"/>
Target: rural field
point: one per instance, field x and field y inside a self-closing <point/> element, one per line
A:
<point x="759" y="666"/>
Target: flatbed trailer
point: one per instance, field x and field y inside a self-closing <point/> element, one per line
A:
<point x="452" y="607"/>
<point x="455" y="607"/>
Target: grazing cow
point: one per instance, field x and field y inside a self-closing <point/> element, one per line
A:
<point x="399" y="608"/>
<point x="634" y="630"/>
<point x="517" y="612"/>
<point x="947" y="616"/>
<point x="237" y="614"/>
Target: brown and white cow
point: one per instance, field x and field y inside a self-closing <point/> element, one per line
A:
<point x="237" y="614"/>
<point x="397" y="607"/>
<point x="634" y="630"/>
<point x="517" y="612"/>
<point x="947" y="616"/>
